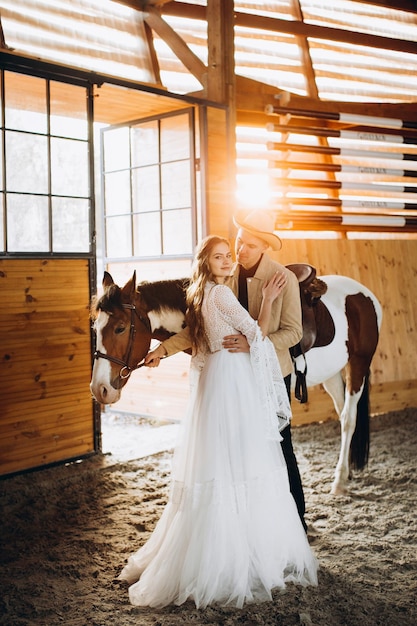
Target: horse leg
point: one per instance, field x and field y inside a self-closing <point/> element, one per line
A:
<point x="347" y="428"/>
<point x="359" y="448"/>
<point x="345" y="406"/>
<point x="335" y="387"/>
<point x="354" y="426"/>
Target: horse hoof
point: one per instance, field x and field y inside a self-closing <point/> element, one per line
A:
<point x="338" y="490"/>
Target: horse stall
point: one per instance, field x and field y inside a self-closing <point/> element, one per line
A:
<point x="47" y="413"/>
<point x="49" y="233"/>
<point x="47" y="269"/>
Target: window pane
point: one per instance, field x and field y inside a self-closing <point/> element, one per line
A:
<point x="176" y="185"/>
<point x="25" y="99"/>
<point x="27" y="163"/>
<point x="70" y="219"/>
<point x="65" y="98"/>
<point x="175" y="132"/>
<point x="145" y="144"/>
<point x="177" y="240"/>
<point x="69" y="167"/>
<point x="117" y="193"/>
<point x="161" y="189"/>
<point x="146" y="191"/>
<point x="118" y="237"/>
<point x="147" y="234"/>
<point x="27" y="223"/>
<point x="116" y="149"/>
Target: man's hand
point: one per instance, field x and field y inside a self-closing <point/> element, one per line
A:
<point x="236" y="343"/>
<point x="153" y="358"/>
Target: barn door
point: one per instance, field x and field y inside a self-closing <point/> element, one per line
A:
<point x="47" y="265"/>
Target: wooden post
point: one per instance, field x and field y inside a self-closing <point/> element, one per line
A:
<point x="221" y="127"/>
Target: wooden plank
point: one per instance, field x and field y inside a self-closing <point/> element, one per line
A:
<point x="45" y="457"/>
<point x="35" y="431"/>
<point x="43" y="387"/>
<point x="40" y="415"/>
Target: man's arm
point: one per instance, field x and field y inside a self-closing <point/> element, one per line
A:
<point x="177" y="343"/>
<point x="290" y="328"/>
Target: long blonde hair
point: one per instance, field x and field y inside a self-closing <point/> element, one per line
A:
<point x="200" y="275"/>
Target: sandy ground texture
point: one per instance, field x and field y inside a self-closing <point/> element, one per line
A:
<point x="66" y="532"/>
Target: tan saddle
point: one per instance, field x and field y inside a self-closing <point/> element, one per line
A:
<point x="318" y="324"/>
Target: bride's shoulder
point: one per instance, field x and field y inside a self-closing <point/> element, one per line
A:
<point x="220" y="289"/>
<point x="222" y="296"/>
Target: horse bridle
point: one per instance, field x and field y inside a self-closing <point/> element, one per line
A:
<point x="126" y="369"/>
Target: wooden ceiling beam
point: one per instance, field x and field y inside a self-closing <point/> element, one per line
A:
<point x="292" y="27"/>
<point x="152" y="54"/>
<point x="191" y="61"/>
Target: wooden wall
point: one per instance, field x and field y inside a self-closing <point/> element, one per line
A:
<point x="387" y="267"/>
<point x="45" y="362"/>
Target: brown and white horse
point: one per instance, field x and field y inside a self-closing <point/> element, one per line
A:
<point x="127" y="318"/>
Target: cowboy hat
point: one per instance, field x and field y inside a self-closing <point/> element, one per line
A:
<point x="260" y="224"/>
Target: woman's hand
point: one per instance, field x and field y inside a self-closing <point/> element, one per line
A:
<point x="274" y="286"/>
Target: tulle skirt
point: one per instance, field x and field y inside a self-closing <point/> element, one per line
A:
<point x="230" y="532"/>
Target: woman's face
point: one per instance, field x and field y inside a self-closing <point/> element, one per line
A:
<point x="220" y="261"/>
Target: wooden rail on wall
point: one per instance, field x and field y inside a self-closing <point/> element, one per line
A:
<point x="367" y="182"/>
<point x="45" y="364"/>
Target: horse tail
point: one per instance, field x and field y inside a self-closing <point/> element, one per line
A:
<point x="359" y="448"/>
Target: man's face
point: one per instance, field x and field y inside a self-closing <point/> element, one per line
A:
<point x="248" y="248"/>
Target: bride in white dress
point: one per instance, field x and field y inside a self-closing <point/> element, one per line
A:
<point x="230" y="532"/>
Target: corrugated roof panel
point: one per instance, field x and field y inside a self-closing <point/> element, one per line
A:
<point x="270" y="58"/>
<point x="359" y="74"/>
<point x="361" y="17"/>
<point x="98" y="35"/>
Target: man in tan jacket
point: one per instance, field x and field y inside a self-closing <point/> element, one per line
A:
<point x="253" y="267"/>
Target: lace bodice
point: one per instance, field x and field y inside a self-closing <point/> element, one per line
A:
<point x="224" y="315"/>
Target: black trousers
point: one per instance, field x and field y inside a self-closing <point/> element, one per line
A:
<point x="296" y="486"/>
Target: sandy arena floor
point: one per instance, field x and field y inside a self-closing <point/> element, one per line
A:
<point x="66" y="532"/>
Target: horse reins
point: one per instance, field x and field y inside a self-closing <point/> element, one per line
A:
<point x="127" y="369"/>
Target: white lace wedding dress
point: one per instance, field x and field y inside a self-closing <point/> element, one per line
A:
<point x="230" y="532"/>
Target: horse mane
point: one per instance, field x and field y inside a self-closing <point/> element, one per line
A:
<point x="108" y="302"/>
<point x="156" y="296"/>
<point x="164" y="294"/>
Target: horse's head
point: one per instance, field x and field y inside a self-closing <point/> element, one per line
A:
<point x="123" y="338"/>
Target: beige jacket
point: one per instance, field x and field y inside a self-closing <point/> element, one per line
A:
<point x="285" y="327"/>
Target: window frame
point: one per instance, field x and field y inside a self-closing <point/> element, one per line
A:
<point x="193" y="169"/>
<point x="49" y="77"/>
